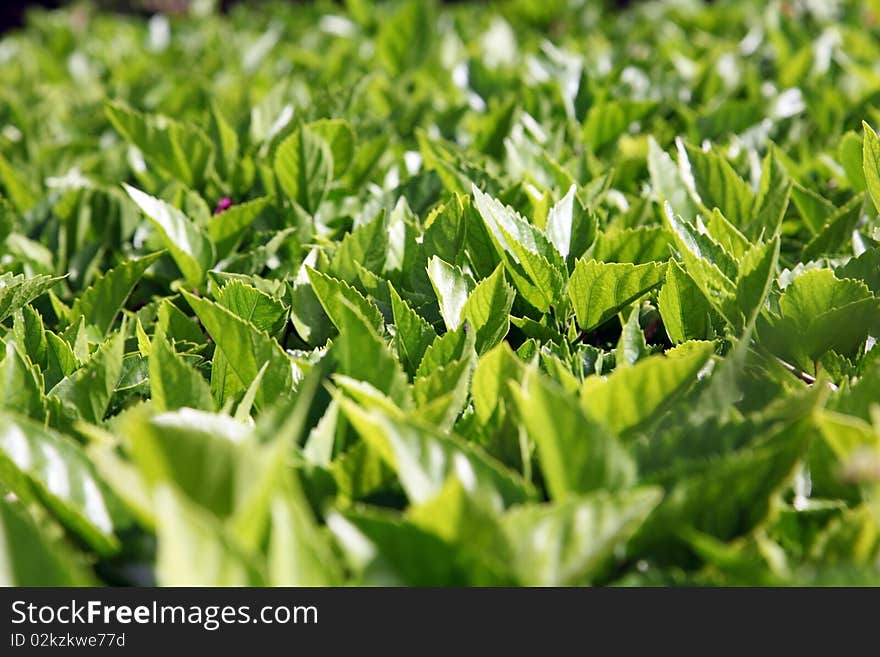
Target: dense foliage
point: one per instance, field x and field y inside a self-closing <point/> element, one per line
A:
<point x="402" y="294"/>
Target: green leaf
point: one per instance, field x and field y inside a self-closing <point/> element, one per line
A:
<point x="450" y="294"/>
<point x="632" y="397"/>
<point x="440" y="158"/>
<point x="22" y="389"/>
<point x="690" y="240"/>
<point x="36" y="462"/>
<point x="667" y="181"/>
<point x="224" y="228"/>
<point x="304" y="167"/>
<point x="29" y="557"/>
<point x="774" y="192"/>
<point x="826" y="313"/>
<point x="813" y="208"/>
<point x="423" y="459"/>
<point x="277" y="289"/>
<point x="685" y="311"/>
<point x="265" y="312"/>
<point x="757" y="270"/>
<point x="103" y="300"/>
<point x="871" y="163"/>
<point x="225" y="141"/>
<point x="60" y="360"/>
<point x="30" y="333"/>
<point x="866" y="268"/>
<point x="494" y="127"/>
<point x="638" y="246"/>
<point x="608" y="120"/>
<point x="413" y="334"/>
<point x="496" y="373"/>
<point x="569" y="543"/>
<point x="471" y="529"/>
<point x="384" y="548"/>
<point x="339" y="136"/>
<point x="194" y="550"/>
<point x="700" y="257"/>
<point x="336" y="295"/>
<point x="188" y="245"/>
<point x="577" y="454"/>
<point x="732" y="116"/>
<point x="836" y="232"/>
<point x="535" y="266"/>
<point x="599" y="290"/>
<point x="729" y="238"/>
<point x="840" y="443"/>
<point x="631" y="346"/>
<point x="441" y="394"/>
<point x="570" y="227"/>
<point x="487" y="309"/>
<point x="18" y="291"/>
<point x="452" y="288"/>
<point x="200" y="453"/>
<point x="717" y="185"/>
<point x="446" y="230"/>
<point x="174" y="383"/>
<point x="360" y="353"/>
<point x="176" y="325"/>
<point x="299" y="554"/>
<point x="89" y="389"/>
<point x="452" y="345"/>
<point x="182" y="151"/>
<point x="366" y="245"/>
<point x="246" y="349"/>
<point x="7" y="220"/>
<point x="404" y="37"/>
<point x="723" y="497"/>
<point x="853" y="538"/>
<point x="17" y="189"/>
<point x="850" y="154"/>
<point x="246" y="405"/>
<point x="815" y="292"/>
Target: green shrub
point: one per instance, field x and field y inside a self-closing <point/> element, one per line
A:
<point x="441" y="295"/>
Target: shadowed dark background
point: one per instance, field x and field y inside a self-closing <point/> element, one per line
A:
<point x="13" y="12"/>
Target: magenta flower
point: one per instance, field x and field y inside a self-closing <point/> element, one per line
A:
<point x="223" y="204"/>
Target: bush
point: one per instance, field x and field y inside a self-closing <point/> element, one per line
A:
<point x="441" y="295"/>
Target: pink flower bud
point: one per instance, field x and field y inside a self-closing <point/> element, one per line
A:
<point x="223" y="204"/>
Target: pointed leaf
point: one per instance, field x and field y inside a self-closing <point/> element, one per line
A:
<point x="181" y="150"/>
<point x="452" y="288"/>
<point x="188" y="245"/>
<point x="634" y="396"/>
<point x="17" y="291"/>
<point x="30" y="557"/>
<point x="413" y="334"/>
<point x="577" y="454"/>
<point x="89" y="389"/>
<point x="487" y="310"/>
<point x="569" y="542"/>
<point x="246" y="349"/>
<point x="684" y="309"/>
<point x="599" y="290"/>
<point x="423" y="459"/>
<point x="103" y="300"/>
<point x="871" y="163"/>
<point x="333" y="293"/>
<point x="265" y="312"/>
<point x="174" y="383"/>
<point x="304" y="167"/>
<point x="717" y="185"/>
<point x="37" y="462"/>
